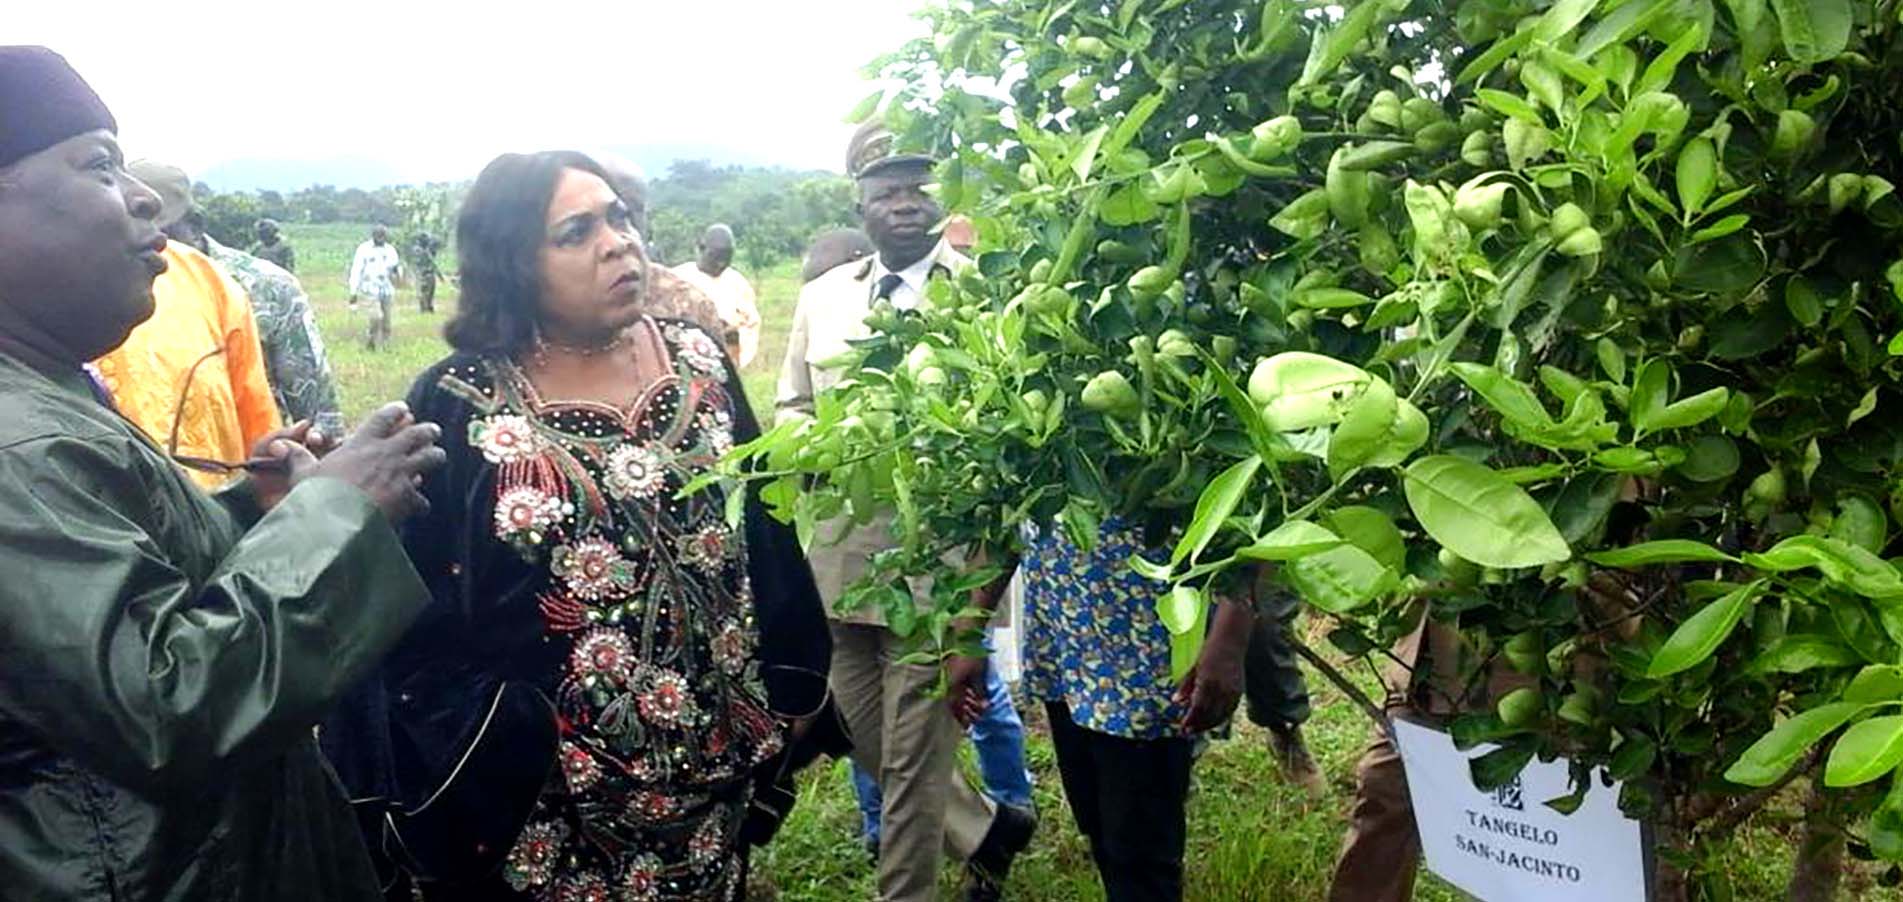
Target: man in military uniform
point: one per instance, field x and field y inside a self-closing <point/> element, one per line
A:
<point x="425" y="250"/>
<point x="901" y="733"/>
<point x="271" y="246"/>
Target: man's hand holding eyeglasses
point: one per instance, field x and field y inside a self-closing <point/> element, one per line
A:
<point x="386" y="457"/>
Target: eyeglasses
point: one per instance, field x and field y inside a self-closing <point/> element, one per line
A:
<point x="206" y="464"/>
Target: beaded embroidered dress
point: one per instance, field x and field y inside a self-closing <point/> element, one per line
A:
<point x="560" y="554"/>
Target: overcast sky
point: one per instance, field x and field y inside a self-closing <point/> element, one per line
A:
<point x="437" y="89"/>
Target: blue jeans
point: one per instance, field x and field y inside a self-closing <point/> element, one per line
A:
<point x="998" y="736"/>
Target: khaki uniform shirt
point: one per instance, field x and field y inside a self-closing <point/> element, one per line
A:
<point x="832" y="310"/>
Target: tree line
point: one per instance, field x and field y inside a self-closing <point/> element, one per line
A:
<point x="774" y="212"/>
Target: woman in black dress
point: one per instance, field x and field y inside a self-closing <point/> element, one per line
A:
<point x="677" y="649"/>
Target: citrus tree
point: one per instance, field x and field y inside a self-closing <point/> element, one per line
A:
<point x="1573" y="321"/>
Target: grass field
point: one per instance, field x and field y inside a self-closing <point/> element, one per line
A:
<point x="1251" y="836"/>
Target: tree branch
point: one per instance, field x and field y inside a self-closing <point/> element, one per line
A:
<point x="1731" y="815"/>
<point x="1342" y="682"/>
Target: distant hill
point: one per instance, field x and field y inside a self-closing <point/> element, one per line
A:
<point x="255" y="174"/>
<point x="368" y="173"/>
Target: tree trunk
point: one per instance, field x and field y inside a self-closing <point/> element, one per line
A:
<point x="1818" y="867"/>
<point x="1670" y="883"/>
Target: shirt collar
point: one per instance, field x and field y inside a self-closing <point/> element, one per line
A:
<point x="915" y="275"/>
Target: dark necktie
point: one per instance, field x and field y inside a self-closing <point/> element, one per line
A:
<point x="887" y="284"/>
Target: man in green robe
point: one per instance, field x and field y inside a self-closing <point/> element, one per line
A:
<point x="164" y="653"/>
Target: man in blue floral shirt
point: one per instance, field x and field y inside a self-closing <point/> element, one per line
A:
<point x="1098" y="656"/>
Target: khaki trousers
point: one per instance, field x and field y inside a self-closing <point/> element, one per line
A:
<point x="1382" y="853"/>
<point x="907" y="740"/>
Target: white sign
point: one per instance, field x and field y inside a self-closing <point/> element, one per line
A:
<point x="1506" y="845"/>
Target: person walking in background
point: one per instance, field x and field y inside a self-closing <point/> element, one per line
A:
<point x="1275" y="692"/>
<point x="670" y="296"/>
<point x="272" y="246"/>
<point x="167" y="651"/>
<point x="424" y="249"/>
<point x="373" y="274"/>
<point x="901" y="732"/>
<point x="713" y="273"/>
<point x="629" y="654"/>
<point x="294" y="360"/>
<point x="193" y="376"/>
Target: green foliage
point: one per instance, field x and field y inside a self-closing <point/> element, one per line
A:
<point x="1537" y="284"/>
<point x="774" y="212"/>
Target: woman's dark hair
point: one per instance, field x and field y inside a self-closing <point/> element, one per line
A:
<point x="499" y="237"/>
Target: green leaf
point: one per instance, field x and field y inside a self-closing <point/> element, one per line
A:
<point x="1510" y="105"/>
<point x="1477" y="514"/>
<point x="1619" y="26"/>
<point x="1132" y="123"/>
<point x="1767" y="760"/>
<point x="1180" y="609"/>
<point x="1217" y="502"/>
<point x="1085" y="156"/>
<point x="1498" y="767"/>
<point x="1126" y="206"/>
<point x="1865" y="752"/>
<point x="1493" y="57"/>
<point x="864" y="109"/>
<point x="1336" y="43"/>
<point x="1188" y="646"/>
<point x="1697" y="174"/>
<point x="1661" y="551"/>
<point x="1701" y="634"/>
<point x="1561" y="19"/>
<point x="1875" y="684"/>
<point x="1649" y="392"/>
<point x="1710" y="459"/>
<point x="1299" y="390"/>
<point x="1509" y="397"/>
<point x="1864" y="408"/>
<point x="1611" y="359"/>
<point x="1372" y="531"/>
<point x="1330" y="298"/>
<point x="1340" y="579"/>
<point x="1659" y="73"/>
<point x="1365" y="426"/>
<point x="1721" y="228"/>
<point x="1814" y="30"/>
<point x="1796" y="654"/>
<point x="1690" y="411"/>
<point x="1885" y="829"/>
<point x="1291" y="540"/>
<point x="1374" y="155"/>
<point x="1803" y="302"/>
<point x="1845" y="564"/>
<point x="1633" y="759"/>
<point x="1303" y="218"/>
<point x="1579" y="507"/>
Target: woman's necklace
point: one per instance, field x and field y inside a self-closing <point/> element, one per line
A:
<point x="543" y="346"/>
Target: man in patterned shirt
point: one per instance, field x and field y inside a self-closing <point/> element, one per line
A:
<point x="1098" y="655"/>
<point x="294" y="359"/>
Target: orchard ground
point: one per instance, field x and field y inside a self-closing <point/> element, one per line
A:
<point x="1251" y="836"/>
